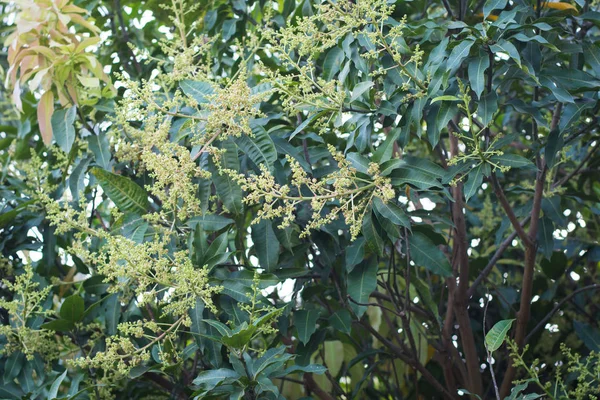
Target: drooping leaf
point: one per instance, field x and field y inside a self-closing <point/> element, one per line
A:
<point x="306" y="324"/>
<point x="63" y="127"/>
<point x="362" y="281"/>
<point x="476" y="70"/>
<point x="266" y="245"/>
<point x="424" y="253"/>
<point x="45" y="109"/>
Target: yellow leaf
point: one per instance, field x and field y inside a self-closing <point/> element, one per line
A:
<point x="45" y="110"/>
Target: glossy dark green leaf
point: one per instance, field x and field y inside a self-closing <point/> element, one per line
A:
<point x="125" y="193"/>
<point x="362" y="281"/>
<point x="589" y="335"/>
<point x="306" y="324"/>
<point x="266" y="245"/>
<point x="458" y="54"/>
<point x="355" y="253"/>
<point x="477" y="67"/>
<point x="72" y="308"/>
<point x="425" y="254"/>
<point x="491" y="5"/>
<point x="391" y="212"/>
<point x="341" y="320"/>
<point x="488" y="106"/>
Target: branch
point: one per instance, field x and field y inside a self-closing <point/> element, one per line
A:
<point x="490" y="265"/>
<point x="509" y="211"/>
<point x="543" y="322"/>
<point x="576" y="170"/>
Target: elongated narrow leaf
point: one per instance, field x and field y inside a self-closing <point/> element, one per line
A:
<point x="306" y="324"/>
<point x="491" y="5"/>
<point x="197" y="90"/>
<point x="210" y="222"/>
<point x="459" y="53"/>
<point x="99" y="146"/>
<point x="391" y="212"/>
<point x="211" y="378"/>
<point x="53" y="392"/>
<point x="260" y="148"/>
<point x="125" y="193"/>
<point x="45" y="109"/>
<point x="266" y="245"/>
<point x="495" y="337"/>
<point x="474" y="181"/>
<point x="477" y="68"/>
<point x="488" y="106"/>
<point x="426" y="254"/>
<point x="63" y="128"/>
<point x="362" y="281"/>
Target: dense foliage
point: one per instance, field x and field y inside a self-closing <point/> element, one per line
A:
<point x="354" y="199"/>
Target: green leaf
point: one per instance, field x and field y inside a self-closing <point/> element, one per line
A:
<point x="197" y="90"/>
<point x="362" y="281"/>
<point x="561" y="94"/>
<point x="241" y="337"/>
<point x="342" y="321"/>
<point x="355" y="253"/>
<point x="385" y="149"/>
<point x="99" y="146"/>
<point x="444" y="98"/>
<point x="260" y="148"/>
<point x="424" y="253"/>
<point x="508" y="48"/>
<point x="476" y="70"/>
<point x="458" y="54"/>
<point x="474" y="181"/>
<point x="495" y="337"/>
<point x="554" y="144"/>
<point x="210" y="222"/>
<point x="13" y="366"/>
<point x="310" y="369"/>
<point x="588" y="335"/>
<point x="306" y="324"/>
<point x="210" y="379"/>
<point x="228" y="190"/>
<point x="391" y="212"/>
<point x="591" y="53"/>
<point x="373" y="239"/>
<point x="571" y="79"/>
<point x="555" y="267"/>
<point x="229" y="28"/>
<point x="332" y="63"/>
<point x="513" y="161"/>
<point x="491" y="5"/>
<point x="359" y="89"/>
<point x="437" y="119"/>
<point x="63" y="128"/>
<point x="545" y="236"/>
<point x="59" y="325"/>
<point x="72" y="308"/>
<point x="53" y="392"/>
<point x="266" y="245"/>
<point x="488" y="105"/>
<point x="125" y="193"/>
<point x="412" y="176"/>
